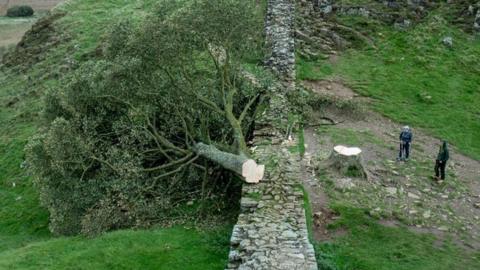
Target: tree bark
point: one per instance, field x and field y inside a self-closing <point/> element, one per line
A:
<point x="240" y="164"/>
<point x="348" y="161"/>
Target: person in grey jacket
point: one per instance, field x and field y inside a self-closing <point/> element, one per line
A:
<point x="406" y="137"/>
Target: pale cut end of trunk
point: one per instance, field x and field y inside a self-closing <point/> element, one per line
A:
<point x="252" y="172"/>
<point x="347" y="151"/>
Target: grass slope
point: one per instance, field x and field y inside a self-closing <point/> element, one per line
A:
<point x="21" y="217"/>
<point x="25" y="240"/>
<point x="169" y="249"/>
<point x="414" y="79"/>
<point x="368" y="245"/>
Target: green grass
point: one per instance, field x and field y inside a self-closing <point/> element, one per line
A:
<point x="169" y="249"/>
<point x="308" y="212"/>
<point x="414" y="79"/>
<point x="350" y="137"/>
<point x="368" y="245"/>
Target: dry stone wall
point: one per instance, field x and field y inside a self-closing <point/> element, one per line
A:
<point x="271" y="232"/>
<point x="279" y="28"/>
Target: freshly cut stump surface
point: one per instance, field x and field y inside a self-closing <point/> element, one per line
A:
<point x="348" y="161"/>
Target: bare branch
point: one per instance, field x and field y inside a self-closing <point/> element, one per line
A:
<point x="247" y="108"/>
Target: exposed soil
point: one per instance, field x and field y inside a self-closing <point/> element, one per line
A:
<point x="401" y="192"/>
<point x="331" y="88"/>
<point x="36" y="42"/>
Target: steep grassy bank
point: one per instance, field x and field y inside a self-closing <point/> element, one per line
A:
<point x="174" y="248"/>
<point x="21" y="217"/>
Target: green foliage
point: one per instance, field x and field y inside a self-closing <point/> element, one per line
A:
<point x="117" y="151"/>
<point x="354" y="171"/>
<point x="168" y="249"/>
<point x="308" y="212"/>
<point x="369" y="245"/>
<point x="20" y="11"/>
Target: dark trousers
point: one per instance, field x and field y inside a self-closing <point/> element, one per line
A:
<point x="404" y="150"/>
<point x="440" y="169"/>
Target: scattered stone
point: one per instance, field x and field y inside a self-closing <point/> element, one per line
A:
<point x="427" y="214"/>
<point x="391" y="191"/>
<point x="413" y="196"/>
<point x="323" y="6"/>
<point x="344" y="184"/>
<point x="448" y="41"/>
<point x="443" y="228"/>
<point x="402" y="24"/>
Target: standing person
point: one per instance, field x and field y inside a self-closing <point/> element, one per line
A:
<point x="441" y="161"/>
<point x="405" y="141"/>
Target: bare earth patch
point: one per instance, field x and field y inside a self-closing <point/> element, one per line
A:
<point x="403" y="193"/>
<point x="11" y="31"/>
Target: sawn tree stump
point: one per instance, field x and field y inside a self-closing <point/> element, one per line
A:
<point x="348" y="161"/>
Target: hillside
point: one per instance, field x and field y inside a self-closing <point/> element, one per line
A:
<point x="55" y="46"/>
<point x="374" y="74"/>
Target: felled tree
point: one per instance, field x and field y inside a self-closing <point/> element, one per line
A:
<point x="130" y="135"/>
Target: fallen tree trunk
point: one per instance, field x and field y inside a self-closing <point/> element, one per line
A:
<point x="240" y="164"/>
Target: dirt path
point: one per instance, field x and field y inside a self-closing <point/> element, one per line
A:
<point x="318" y="198"/>
<point x="394" y="190"/>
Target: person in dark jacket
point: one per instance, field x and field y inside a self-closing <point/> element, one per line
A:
<point x="406" y="137"/>
<point x="441" y="161"/>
